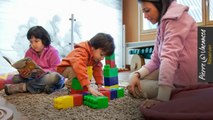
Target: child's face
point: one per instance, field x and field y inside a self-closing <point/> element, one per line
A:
<point x="36" y="44"/>
<point x="98" y="54"/>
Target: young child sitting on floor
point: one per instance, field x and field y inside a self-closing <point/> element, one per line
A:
<point x="87" y="53"/>
<point x="37" y="71"/>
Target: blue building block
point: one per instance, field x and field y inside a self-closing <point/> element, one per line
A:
<point x="109" y="81"/>
<point x="113" y="94"/>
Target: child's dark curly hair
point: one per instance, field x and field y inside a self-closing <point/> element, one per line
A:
<point x="103" y="41"/>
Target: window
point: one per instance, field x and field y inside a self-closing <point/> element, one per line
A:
<point x="200" y="10"/>
<point x="195" y="8"/>
<point x="210" y="12"/>
<point x="92" y="16"/>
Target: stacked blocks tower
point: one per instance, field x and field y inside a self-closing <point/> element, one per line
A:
<point x="110" y="72"/>
<point x="80" y="95"/>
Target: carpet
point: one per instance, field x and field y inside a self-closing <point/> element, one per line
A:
<point x="40" y="107"/>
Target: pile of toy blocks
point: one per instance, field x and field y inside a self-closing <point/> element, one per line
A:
<point x="110" y="72"/>
<point x="96" y="102"/>
<point x="80" y="95"/>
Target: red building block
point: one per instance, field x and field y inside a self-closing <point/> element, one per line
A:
<point x="111" y="63"/>
<point x="78" y="99"/>
<point x="106" y="93"/>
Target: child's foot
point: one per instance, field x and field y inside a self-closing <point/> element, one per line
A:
<point x="15" y="88"/>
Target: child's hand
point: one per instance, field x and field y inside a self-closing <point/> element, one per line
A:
<point x="101" y="88"/>
<point x="25" y="73"/>
<point x="94" y="92"/>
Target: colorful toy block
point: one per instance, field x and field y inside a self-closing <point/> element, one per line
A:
<point x="76" y="84"/>
<point x="86" y="93"/>
<point x="89" y="72"/>
<point x="110" y="72"/>
<point x="106" y="93"/>
<point x="113" y="94"/>
<point x="111" y="57"/>
<point x="111" y="63"/>
<point x="110" y="81"/>
<point x="78" y="99"/>
<point x="112" y="86"/>
<point x="120" y="92"/>
<point x="63" y="102"/>
<point x="96" y="102"/>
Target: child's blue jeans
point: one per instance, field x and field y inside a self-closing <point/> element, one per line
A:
<point x="48" y="83"/>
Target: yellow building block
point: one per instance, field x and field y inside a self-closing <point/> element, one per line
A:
<point x="89" y="72"/>
<point x="113" y="86"/>
<point x="63" y="102"/>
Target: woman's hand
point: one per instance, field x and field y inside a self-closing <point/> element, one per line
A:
<point x="149" y="103"/>
<point x="134" y="82"/>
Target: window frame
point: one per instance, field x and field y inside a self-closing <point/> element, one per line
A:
<point x="147" y="34"/>
<point x="207" y="10"/>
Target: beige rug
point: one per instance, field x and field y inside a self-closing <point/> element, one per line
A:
<point x="40" y="107"/>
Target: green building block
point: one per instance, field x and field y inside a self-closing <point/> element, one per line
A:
<point x="120" y="92"/>
<point x="112" y="57"/>
<point x="76" y="84"/>
<point x="96" y="102"/>
<point x="110" y="72"/>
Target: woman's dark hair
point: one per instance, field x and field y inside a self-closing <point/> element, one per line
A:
<point x="161" y="5"/>
<point x="39" y="33"/>
<point x="103" y="41"/>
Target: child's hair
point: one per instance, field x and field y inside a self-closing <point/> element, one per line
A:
<point x="161" y="5"/>
<point x="103" y="41"/>
<point x="40" y="33"/>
